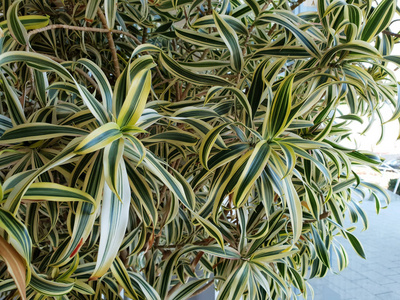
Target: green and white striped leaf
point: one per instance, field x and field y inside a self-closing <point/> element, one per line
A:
<point x="200" y="39"/>
<point x="240" y="96"/>
<point x="48" y="287"/>
<point x="113" y="222"/>
<point x="302" y="36"/>
<point x="278" y="117"/>
<point x="322" y="252"/>
<point x="199" y="79"/>
<point x="111" y="160"/>
<point x="101" y="78"/>
<point x="48" y="191"/>
<point x="254" y="166"/>
<point x="149" y="292"/>
<point x="38" y="131"/>
<point x="272" y="253"/>
<point x="209" y="21"/>
<point x="91" y="10"/>
<point x="174" y="137"/>
<point x="135" y="100"/>
<point x="212" y="230"/>
<point x="110" y="8"/>
<point x="359" y="47"/>
<point x="20" y="238"/>
<point x="291" y="197"/>
<point x="16" y="112"/>
<point x="285" y="51"/>
<point x="235" y="284"/>
<point x="188" y="289"/>
<point x="355" y="243"/>
<point x="231" y="40"/>
<point x="14" y="24"/>
<point x="378" y="20"/>
<point x="208" y="143"/>
<point x="29" y="22"/>
<point x="99" y="138"/>
<point x="84" y="216"/>
<point x="120" y="273"/>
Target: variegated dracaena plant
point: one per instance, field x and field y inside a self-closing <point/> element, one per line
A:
<point x="163" y="147"/>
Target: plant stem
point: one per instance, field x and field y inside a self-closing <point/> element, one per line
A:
<point x="91" y="29"/>
<point x="202" y="289"/>
<point x="387" y="32"/>
<point x="322" y="216"/>
<point x="294" y="6"/>
<point x="110" y="42"/>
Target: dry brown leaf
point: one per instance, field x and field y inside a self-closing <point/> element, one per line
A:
<point x="16" y="265"/>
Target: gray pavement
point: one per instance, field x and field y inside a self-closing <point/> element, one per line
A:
<point x="377" y="277"/>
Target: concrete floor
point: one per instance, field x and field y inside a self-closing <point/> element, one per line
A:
<point x="377" y="277"/>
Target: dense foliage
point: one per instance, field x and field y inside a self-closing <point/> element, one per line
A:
<point x="166" y="146"/>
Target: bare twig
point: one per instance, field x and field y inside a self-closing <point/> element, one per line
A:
<point x="387" y="32"/>
<point x="174" y="288"/>
<point x="185" y="93"/>
<point x="294" y="6"/>
<point x="162" y="82"/>
<point x="144" y="35"/>
<point x="202" y="289"/>
<point x="91" y="29"/>
<point x="209" y="7"/>
<point x="110" y="42"/>
<point x="201" y="11"/>
<point x="322" y="216"/>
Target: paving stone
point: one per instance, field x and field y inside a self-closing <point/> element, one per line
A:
<point x="388" y="296"/>
<point x="353" y="275"/>
<point x="393" y="287"/>
<point x="377" y="277"/>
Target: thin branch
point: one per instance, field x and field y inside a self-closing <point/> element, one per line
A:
<point x="294" y="6"/>
<point x="202" y="289"/>
<point x="162" y="82"/>
<point x="185" y="93"/>
<point x="144" y="35"/>
<point x="91" y="29"/>
<point x="201" y="11"/>
<point x="209" y="7"/>
<point x="322" y="216"/>
<point x="387" y="32"/>
<point x="175" y="287"/>
<point x="110" y="42"/>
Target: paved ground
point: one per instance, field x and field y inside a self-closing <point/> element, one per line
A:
<point x="376" y="278"/>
